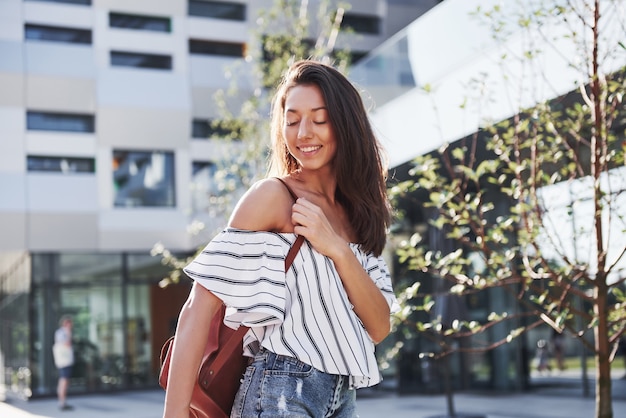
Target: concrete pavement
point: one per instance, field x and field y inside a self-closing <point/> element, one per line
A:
<point x="557" y="397"/>
<point x="149" y="405"/>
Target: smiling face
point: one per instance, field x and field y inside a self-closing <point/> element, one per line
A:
<point x="307" y="129"/>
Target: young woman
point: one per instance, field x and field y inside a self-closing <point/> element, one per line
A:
<point x="313" y="329"/>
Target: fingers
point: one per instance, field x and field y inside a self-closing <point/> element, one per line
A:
<point x="307" y="214"/>
<point x="303" y="204"/>
<point x="310" y="221"/>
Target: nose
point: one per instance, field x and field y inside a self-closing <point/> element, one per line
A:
<point x="305" y="129"/>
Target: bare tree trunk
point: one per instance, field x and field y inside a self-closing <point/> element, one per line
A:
<point x="445" y="362"/>
<point x="604" y="407"/>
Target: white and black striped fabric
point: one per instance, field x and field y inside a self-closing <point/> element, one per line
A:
<point x="305" y="313"/>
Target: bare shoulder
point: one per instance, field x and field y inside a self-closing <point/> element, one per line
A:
<point x="266" y="206"/>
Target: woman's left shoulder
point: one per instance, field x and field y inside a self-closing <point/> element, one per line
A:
<point x="266" y="206"/>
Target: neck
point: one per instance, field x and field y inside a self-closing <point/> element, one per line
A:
<point x="323" y="184"/>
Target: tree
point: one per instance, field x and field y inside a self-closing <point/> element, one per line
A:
<point x="534" y="205"/>
<point x="281" y="37"/>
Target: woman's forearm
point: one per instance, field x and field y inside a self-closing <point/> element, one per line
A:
<point x="366" y="298"/>
<point x="192" y="333"/>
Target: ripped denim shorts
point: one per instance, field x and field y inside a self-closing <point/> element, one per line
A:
<point x="279" y="386"/>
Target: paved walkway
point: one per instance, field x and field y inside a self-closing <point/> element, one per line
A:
<point x="556" y="397"/>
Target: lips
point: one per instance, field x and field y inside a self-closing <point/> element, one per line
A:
<point x="312" y="148"/>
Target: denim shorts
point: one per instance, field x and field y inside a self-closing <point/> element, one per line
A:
<point x="65" y="372"/>
<point x="279" y="386"/>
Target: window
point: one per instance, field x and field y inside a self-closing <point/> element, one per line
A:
<point x="143" y="179"/>
<point x="210" y="181"/>
<point x="152" y="23"/>
<point x="148" y="268"/>
<point x="57" y="34"/>
<point x="271" y="52"/>
<point x="63" y="165"/>
<point x="206" y="168"/>
<point x="203" y="185"/>
<point x="65" y="122"/>
<point x="141" y="60"/>
<point x="228" y="49"/>
<point x="362" y="24"/>
<point x="406" y="79"/>
<point x="567" y="206"/>
<point x="201" y="129"/>
<point x="204" y="129"/>
<point x="79" y="2"/>
<point x="217" y="9"/>
<point x="356" y="56"/>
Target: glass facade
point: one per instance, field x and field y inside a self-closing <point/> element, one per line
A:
<point x="121" y="319"/>
<point x="389" y="73"/>
<point x="404" y="83"/>
<point x="15" y="284"/>
<point x="418" y="366"/>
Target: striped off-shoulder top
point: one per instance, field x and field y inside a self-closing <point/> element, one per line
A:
<point x="303" y="313"/>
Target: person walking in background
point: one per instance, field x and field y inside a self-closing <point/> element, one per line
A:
<point x="558" y="345"/>
<point x="64" y="359"/>
<point x="313" y="328"/>
<point x="542" y="356"/>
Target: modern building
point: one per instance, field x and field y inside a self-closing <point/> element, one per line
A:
<point x="422" y="82"/>
<point x="105" y="111"/>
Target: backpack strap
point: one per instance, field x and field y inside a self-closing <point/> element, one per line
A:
<point x="293" y="251"/>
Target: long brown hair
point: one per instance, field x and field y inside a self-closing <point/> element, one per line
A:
<point x="359" y="166"/>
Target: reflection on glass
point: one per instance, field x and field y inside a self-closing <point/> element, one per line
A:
<point x="366" y="24"/>
<point x="387" y="73"/>
<point x="226" y="49"/>
<point x="139" y="60"/>
<point x="98" y="339"/>
<point x="137" y="22"/>
<point x="65" y="165"/>
<point x="568" y="214"/>
<point x="217" y="9"/>
<point x="203" y="185"/>
<point x="139" y="329"/>
<point x="15" y="364"/>
<point x="63" y="122"/>
<point x="143" y="178"/>
<point x="90" y="268"/>
<point x="57" y="34"/>
<point x="115" y="343"/>
<point x="148" y="268"/>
